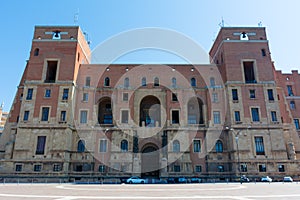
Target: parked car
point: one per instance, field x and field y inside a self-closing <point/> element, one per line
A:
<point x="181" y="180"/>
<point x="171" y="180"/>
<point x="287" y="179"/>
<point x="244" y="178"/>
<point x="135" y="179"/>
<point x="266" y="179"/>
<point x="195" y="180"/>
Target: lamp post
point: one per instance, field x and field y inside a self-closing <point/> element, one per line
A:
<point x="238" y="155"/>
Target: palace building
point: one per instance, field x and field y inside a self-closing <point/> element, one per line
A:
<point x="74" y="120"/>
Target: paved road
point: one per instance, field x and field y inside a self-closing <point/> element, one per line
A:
<point x="231" y="191"/>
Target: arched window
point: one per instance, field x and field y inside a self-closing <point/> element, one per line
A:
<point x="212" y="82"/>
<point x="174" y="82"/>
<point x="193" y="82"/>
<point x="106" y="81"/>
<point x="176" y="146"/>
<point x="81" y="146"/>
<point x="156" y="81"/>
<point x="36" y="52"/>
<point x="144" y="81"/>
<point x="126" y="82"/>
<point x="244" y="36"/>
<point x="219" y="146"/>
<point x="124" y="146"/>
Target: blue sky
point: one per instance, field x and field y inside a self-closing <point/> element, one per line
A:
<point x="102" y="19"/>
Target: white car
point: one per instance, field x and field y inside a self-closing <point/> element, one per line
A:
<point x="287" y="179"/>
<point x="135" y="179"/>
<point x="266" y="179"/>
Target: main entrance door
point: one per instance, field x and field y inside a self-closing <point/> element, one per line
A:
<point x="150" y="162"/>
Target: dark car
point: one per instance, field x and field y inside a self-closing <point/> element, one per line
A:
<point x="181" y="180"/>
<point x="195" y="180"/>
<point x="245" y="179"/>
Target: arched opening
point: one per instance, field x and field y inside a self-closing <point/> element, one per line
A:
<point x="150" y="161"/>
<point x="105" y="111"/>
<point x="150" y="112"/>
<point x="195" y="111"/>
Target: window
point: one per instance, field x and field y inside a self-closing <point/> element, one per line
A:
<point x="87" y="81"/>
<point x="259" y="145"/>
<point x="174" y="97"/>
<point x="237" y="116"/>
<point x="263" y="52"/>
<point x="217" y="119"/>
<point x="296" y="122"/>
<point x="176" y="146"/>
<point x="244" y="36"/>
<point x="156" y="81"/>
<point x="198" y="168"/>
<point x="193" y="82"/>
<point x="29" y="93"/>
<point x="57" y="167"/>
<point x="124" y="145"/>
<point x="174" y="82"/>
<point x="45" y="114"/>
<point x="270" y="95"/>
<point x="281" y="168"/>
<point x="274" y="116"/>
<point x="83" y="116"/>
<point x="126" y="82"/>
<point x="47" y="93"/>
<point x="262" y="168"/>
<point x="244" y="168"/>
<point x="197" y="146"/>
<point x="80" y="146"/>
<point x="85" y="97"/>
<point x="65" y="94"/>
<point x="175" y="116"/>
<point x="212" y="82"/>
<point x="124" y="117"/>
<point x="290" y="90"/>
<point x="221" y="168"/>
<point x="18" y="167"/>
<point x="176" y="168"/>
<point x="215" y="97"/>
<point x="63" y="115"/>
<point x="255" y="114"/>
<point x="101" y="168"/>
<point x="103" y="146"/>
<point x="219" y="146"/>
<point x="37" y="168"/>
<point x="125" y="96"/>
<point x="51" y="71"/>
<point x="252" y="94"/>
<point x="249" y="72"/>
<point x="56" y="35"/>
<point x="292" y="105"/>
<point x="36" y="52"/>
<point x="107" y="82"/>
<point x="40" y="147"/>
<point x="144" y="81"/>
<point x="26" y="115"/>
<point x="235" y="96"/>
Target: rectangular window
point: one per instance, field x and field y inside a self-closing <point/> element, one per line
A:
<point x="45" y="114"/>
<point x="47" y="93"/>
<point x="175" y="116"/>
<point x="270" y="95"/>
<point x="57" y="167"/>
<point x="217" y="117"/>
<point x="297" y="125"/>
<point x="237" y="116"/>
<point x="252" y="94"/>
<point x="37" y="168"/>
<point x="235" y="96"/>
<point x="249" y="72"/>
<point x="26" y="115"/>
<point x="51" y="71"/>
<point x="174" y="97"/>
<point x="65" y="94"/>
<point x="290" y="90"/>
<point x="85" y="97"/>
<point x="83" y="116"/>
<point x="103" y="146"/>
<point x="215" y="97"/>
<point x="244" y="168"/>
<point x="197" y="146"/>
<point x="87" y="81"/>
<point x="259" y="145"/>
<point x="281" y="168"/>
<point x="18" y="167"/>
<point x="274" y="116"/>
<point x="262" y="168"/>
<point x="176" y="168"/>
<point x="125" y="96"/>
<point x="29" y="94"/>
<point x="40" y="147"/>
<point x="292" y="105"/>
<point x="63" y="116"/>
<point x="198" y="168"/>
<point x="124" y="116"/>
<point x="101" y="168"/>
<point x="255" y="114"/>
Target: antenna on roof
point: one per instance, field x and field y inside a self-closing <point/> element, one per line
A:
<point x="259" y="24"/>
<point x="221" y="24"/>
<point x="76" y="16"/>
